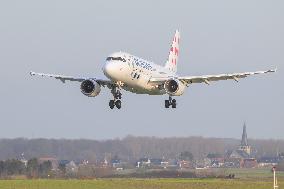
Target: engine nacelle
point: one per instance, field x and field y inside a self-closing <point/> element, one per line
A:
<point x="174" y="87"/>
<point x="90" y="88"/>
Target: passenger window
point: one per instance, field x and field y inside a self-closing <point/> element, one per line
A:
<point x="116" y="58"/>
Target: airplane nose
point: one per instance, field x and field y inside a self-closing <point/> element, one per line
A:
<point x="108" y="69"/>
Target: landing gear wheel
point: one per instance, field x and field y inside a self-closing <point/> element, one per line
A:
<point x="111" y="104"/>
<point x="174" y="103"/>
<point x="118" y="104"/>
<point x="170" y="102"/>
<point x="167" y="103"/>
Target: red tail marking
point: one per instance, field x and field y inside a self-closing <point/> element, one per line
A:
<point x="176" y="51"/>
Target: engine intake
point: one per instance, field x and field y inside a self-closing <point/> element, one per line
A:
<point x="174" y="87"/>
<point x="90" y="88"/>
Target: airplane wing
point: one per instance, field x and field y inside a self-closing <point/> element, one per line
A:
<point x="64" y="78"/>
<point x="208" y="78"/>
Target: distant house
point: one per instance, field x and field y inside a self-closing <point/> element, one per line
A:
<point x="71" y="168"/>
<point x="183" y="164"/>
<point x="23" y="159"/>
<point x="173" y="164"/>
<point x="104" y="164"/>
<point x="143" y="162"/>
<point x="268" y="161"/>
<point x="232" y="163"/>
<point x="249" y="163"/>
<point x="217" y="163"/>
<point x="84" y="162"/>
<point x="165" y="164"/>
<point x="116" y="163"/>
<point x="156" y="162"/>
<point x="214" y="160"/>
<point x="63" y="162"/>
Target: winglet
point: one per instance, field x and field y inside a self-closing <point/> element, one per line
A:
<point x="275" y="70"/>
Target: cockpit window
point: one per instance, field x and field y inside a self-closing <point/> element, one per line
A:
<point x="116" y="58"/>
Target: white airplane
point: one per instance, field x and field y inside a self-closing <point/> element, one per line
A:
<point x="134" y="74"/>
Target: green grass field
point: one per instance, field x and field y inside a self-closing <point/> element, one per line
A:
<point x="139" y="183"/>
<point x="245" y="179"/>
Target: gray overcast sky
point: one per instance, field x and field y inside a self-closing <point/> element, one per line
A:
<point x="74" y="38"/>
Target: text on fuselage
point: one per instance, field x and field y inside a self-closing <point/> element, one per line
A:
<point x="142" y="64"/>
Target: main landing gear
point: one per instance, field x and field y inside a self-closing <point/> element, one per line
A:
<point x="170" y="102"/>
<point x="116" y="102"/>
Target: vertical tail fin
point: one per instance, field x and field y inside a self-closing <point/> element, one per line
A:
<point x="171" y="63"/>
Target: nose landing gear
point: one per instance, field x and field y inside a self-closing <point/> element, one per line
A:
<point x="170" y="102"/>
<point x="116" y="102"/>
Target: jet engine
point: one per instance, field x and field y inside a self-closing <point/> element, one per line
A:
<point x="174" y="87"/>
<point x="90" y="88"/>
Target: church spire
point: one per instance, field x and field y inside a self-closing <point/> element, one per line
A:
<point x="244" y="141"/>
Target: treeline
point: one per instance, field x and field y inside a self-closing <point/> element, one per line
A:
<point x="130" y="148"/>
<point x="31" y="169"/>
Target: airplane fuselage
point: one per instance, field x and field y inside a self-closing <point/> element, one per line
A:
<point x="133" y="73"/>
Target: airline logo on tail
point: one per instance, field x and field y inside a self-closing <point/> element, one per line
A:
<point x="171" y="63"/>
